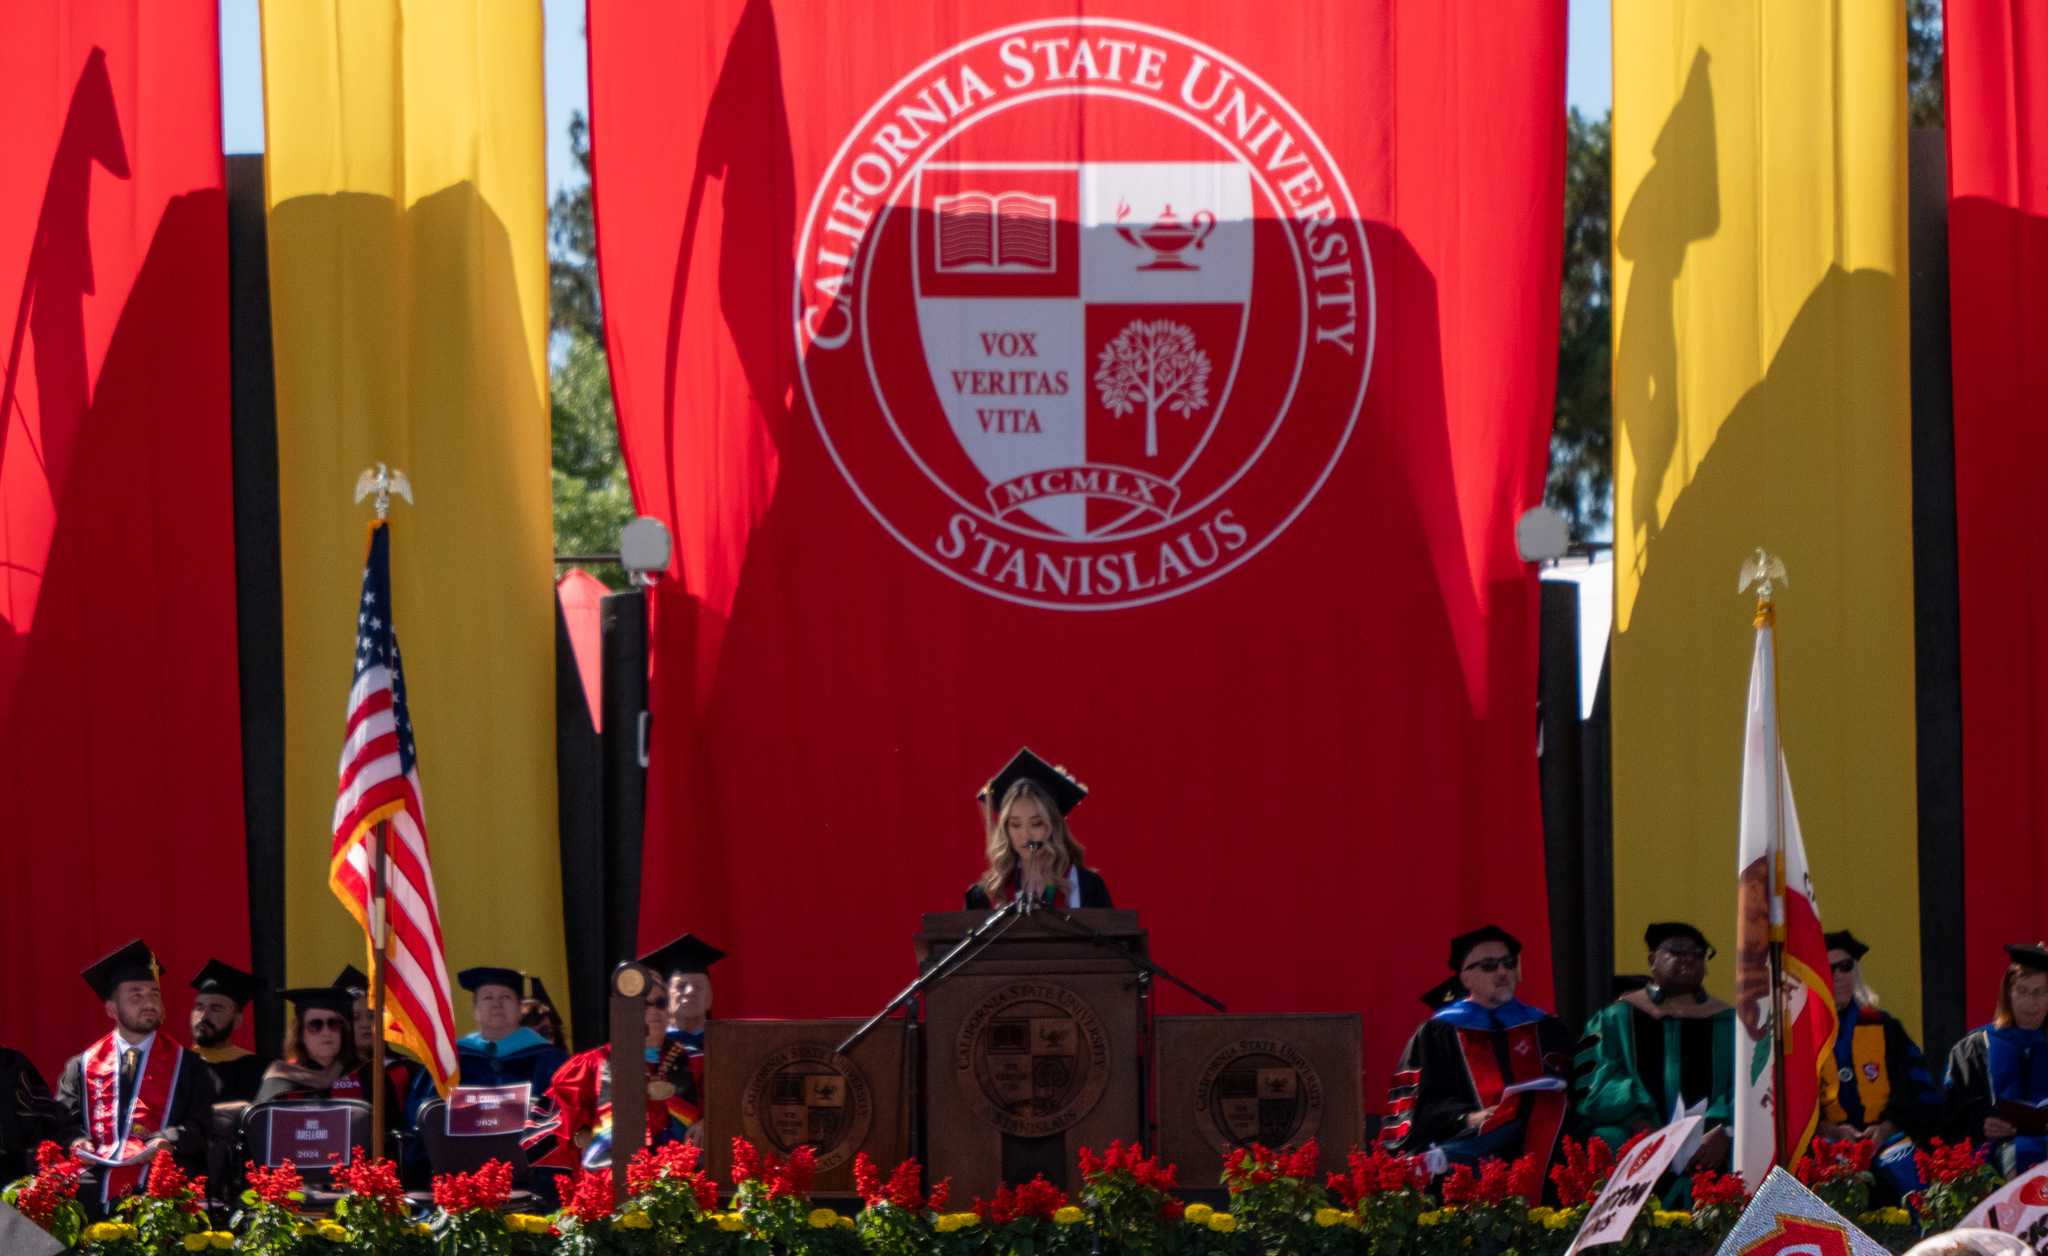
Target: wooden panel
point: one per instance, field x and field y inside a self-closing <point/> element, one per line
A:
<point x="780" y="1084"/>
<point x="1227" y="1081"/>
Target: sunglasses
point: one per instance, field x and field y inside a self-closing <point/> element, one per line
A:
<point x="1495" y="964"/>
<point x="1687" y="952"/>
<point x="1844" y="966"/>
<point x="321" y="1024"/>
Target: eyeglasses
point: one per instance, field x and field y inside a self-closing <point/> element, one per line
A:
<point x="1844" y="966"/>
<point x="1686" y="952"/>
<point x="323" y="1024"/>
<point x="1494" y="963"/>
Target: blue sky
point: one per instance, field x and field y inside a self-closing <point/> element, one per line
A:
<point x="1588" y="76"/>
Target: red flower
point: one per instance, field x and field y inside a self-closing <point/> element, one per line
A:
<point x="1525" y="1179"/>
<point x="867" y="1179"/>
<point x="375" y="1180"/>
<point x="1171" y="1209"/>
<point x="1945" y="1162"/>
<point x="1492" y="1185"/>
<point x="906" y="1186"/>
<point x="746" y="1161"/>
<point x="1037" y="1199"/>
<point x="668" y="1162"/>
<point x="792" y="1176"/>
<point x="55" y="1180"/>
<point x="1709" y="1187"/>
<point x="276" y="1186"/>
<point x="1459" y="1185"/>
<point x="486" y="1189"/>
<point x="940" y="1194"/>
<point x="1302" y="1162"/>
<point x="707" y="1193"/>
<point x="1585" y="1168"/>
<point x="590" y="1199"/>
<point x="1376" y="1172"/>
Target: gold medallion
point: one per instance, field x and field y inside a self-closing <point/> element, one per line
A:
<point x="583" y="1138"/>
<point x="661" y="1090"/>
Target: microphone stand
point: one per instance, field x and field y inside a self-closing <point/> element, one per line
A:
<point x="977" y="940"/>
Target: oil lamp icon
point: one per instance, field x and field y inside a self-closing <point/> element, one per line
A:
<point x="1167" y="237"/>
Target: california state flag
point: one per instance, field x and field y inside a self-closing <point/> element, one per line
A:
<point x="1779" y="1067"/>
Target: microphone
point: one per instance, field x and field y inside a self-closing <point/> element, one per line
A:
<point x="1034" y="845"/>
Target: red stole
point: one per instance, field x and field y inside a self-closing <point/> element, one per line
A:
<point x="114" y="1137"/>
<point x="1543" y="1111"/>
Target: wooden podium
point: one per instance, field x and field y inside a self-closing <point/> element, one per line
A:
<point x="1034" y="1047"/>
<point x="781" y="1083"/>
<point x="1228" y="1081"/>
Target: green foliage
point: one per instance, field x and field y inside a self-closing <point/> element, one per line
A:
<point x="1925" y="106"/>
<point x="1581" y="480"/>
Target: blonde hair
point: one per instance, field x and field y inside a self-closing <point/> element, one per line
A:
<point x="1067" y="852"/>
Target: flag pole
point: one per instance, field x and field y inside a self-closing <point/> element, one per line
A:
<point x="1767" y="617"/>
<point x="380" y="915"/>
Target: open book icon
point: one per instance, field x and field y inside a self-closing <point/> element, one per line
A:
<point x="979" y="232"/>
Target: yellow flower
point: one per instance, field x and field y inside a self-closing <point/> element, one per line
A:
<point x="1431" y="1218"/>
<point x="1223" y="1223"/>
<point x="845" y="1222"/>
<point x="824" y="1219"/>
<point x="1327" y="1217"/>
<point x="951" y="1221"/>
<point x="1662" y="1220"/>
<point x="1541" y="1213"/>
<point x="422" y="1229"/>
<point x="1199" y="1214"/>
<point x="1068" y="1215"/>
<point x="197" y="1241"/>
<point x="331" y="1231"/>
<point x="635" y="1220"/>
<point x="729" y="1222"/>
<point x="1561" y="1220"/>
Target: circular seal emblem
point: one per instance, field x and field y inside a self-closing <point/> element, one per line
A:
<point x="1083" y="377"/>
<point x="1258" y="1090"/>
<point x="1032" y="1059"/>
<point x="808" y="1094"/>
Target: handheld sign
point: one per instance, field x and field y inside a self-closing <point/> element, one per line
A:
<point x="481" y="1111"/>
<point x="1630" y="1184"/>
<point x="1786" y="1219"/>
<point x="2019" y="1208"/>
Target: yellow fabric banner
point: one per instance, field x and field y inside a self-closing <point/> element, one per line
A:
<point x="409" y="297"/>
<point x="1760" y="399"/>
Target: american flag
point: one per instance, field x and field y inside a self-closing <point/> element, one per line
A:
<point x="380" y="781"/>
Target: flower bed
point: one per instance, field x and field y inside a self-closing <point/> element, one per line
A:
<point x="1278" y="1202"/>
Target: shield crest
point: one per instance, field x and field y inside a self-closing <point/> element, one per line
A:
<point x="1083" y="324"/>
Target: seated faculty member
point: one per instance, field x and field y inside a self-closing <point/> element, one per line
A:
<point x="1482" y="1040"/>
<point x="1997" y="1078"/>
<point x="25" y="1114"/>
<point x="135" y="1091"/>
<point x="399" y="1068"/>
<point x="321" y="1061"/>
<point x="1666" y="1046"/>
<point x="537" y="1012"/>
<point x="501" y="1052"/>
<point x="221" y="993"/>
<point x="1882" y="1088"/>
<point x="1031" y="852"/>
<point x="582" y="1094"/>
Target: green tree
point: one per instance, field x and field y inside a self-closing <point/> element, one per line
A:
<point x="1925" y="105"/>
<point x="1581" y="480"/>
<point x="592" y="498"/>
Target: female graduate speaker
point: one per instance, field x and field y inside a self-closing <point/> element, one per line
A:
<point x="1031" y="851"/>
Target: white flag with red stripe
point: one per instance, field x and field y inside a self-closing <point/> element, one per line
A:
<point x="380" y="782"/>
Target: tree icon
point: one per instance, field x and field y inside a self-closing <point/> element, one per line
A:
<point x="1153" y="362"/>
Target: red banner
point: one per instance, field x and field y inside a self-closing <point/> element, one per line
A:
<point x="120" y="743"/>
<point x="1998" y="266"/>
<point x="1157" y="387"/>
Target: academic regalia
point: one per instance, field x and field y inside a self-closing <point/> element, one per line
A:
<point x="1647" y="1054"/>
<point x="582" y="1096"/>
<point x="282" y="1086"/>
<point x="119" y="1095"/>
<point x="237" y="1071"/>
<point x="1991" y="1065"/>
<point x="520" y="1057"/>
<point x="1084" y="888"/>
<point x="24" y="1114"/>
<point x="1880" y="1076"/>
<point x="1459" y="1061"/>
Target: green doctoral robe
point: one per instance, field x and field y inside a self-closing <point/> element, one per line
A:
<point x="1642" y="1057"/>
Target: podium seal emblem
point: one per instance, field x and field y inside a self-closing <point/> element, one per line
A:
<point x="807" y="1093"/>
<point x="1032" y="1059"/>
<point x="1258" y="1090"/>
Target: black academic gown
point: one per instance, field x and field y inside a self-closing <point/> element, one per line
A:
<point x="24" y="1114"/>
<point x="1460" y="1061"/>
<point x="187" y="1117"/>
<point x="236" y="1074"/>
<point x="1094" y="892"/>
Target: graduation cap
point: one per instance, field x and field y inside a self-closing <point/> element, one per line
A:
<point x="1843" y="940"/>
<point x="352" y="978"/>
<point x="1066" y="792"/>
<point x="539" y="994"/>
<point x="1665" y="930"/>
<point x="475" y="979"/>
<point x="132" y="961"/>
<point x="687" y="954"/>
<point x="2032" y="955"/>
<point x="322" y="999"/>
<point x="226" y="980"/>
<point x="1462" y="945"/>
<point x="1443" y="993"/>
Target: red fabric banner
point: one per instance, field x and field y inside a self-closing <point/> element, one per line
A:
<point x="120" y="741"/>
<point x="1157" y="387"/>
<point x="1998" y="267"/>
